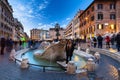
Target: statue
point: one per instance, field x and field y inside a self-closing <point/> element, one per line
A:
<point x="57" y="27"/>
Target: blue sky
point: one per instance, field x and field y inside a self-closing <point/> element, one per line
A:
<point x="44" y="14"/>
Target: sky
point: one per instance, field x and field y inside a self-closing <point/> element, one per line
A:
<point x="44" y="14"/>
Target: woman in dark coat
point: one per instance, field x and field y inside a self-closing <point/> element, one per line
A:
<point x="69" y="50"/>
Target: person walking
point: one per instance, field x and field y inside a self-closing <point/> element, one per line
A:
<point x="100" y="40"/>
<point x="2" y="44"/>
<point x="117" y="39"/>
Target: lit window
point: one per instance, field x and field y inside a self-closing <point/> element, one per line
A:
<point x="100" y="26"/>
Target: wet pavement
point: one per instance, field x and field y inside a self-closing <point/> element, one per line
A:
<point x="107" y="70"/>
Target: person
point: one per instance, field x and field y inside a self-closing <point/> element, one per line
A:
<point x="113" y="39"/>
<point x="107" y="40"/>
<point x="94" y="42"/>
<point x="100" y="40"/>
<point x="69" y="50"/>
<point x="117" y="39"/>
<point x="2" y="44"/>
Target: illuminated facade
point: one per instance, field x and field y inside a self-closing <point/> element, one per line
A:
<point x="101" y="17"/>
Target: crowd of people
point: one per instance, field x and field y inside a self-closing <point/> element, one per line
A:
<point x="96" y="42"/>
<point x="5" y="44"/>
<point x="108" y="41"/>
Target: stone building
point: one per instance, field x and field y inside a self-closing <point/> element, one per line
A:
<point x="73" y="28"/>
<point x="18" y="30"/>
<point x="52" y="33"/>
<point x="35" y="34"/>
<point x="100" y="17"/>
<point x="39" y="34"/>
<point x="69" y="30"/>
<point x="6" y="19"/>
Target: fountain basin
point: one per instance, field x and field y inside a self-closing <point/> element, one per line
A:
<point x="79" y="61"/>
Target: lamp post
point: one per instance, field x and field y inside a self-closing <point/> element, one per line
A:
<point x="57" y="27"/>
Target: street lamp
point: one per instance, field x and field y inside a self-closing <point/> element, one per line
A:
<point x="57" y="27"/>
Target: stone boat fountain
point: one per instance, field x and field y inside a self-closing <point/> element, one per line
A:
<point x="50" y="55"/>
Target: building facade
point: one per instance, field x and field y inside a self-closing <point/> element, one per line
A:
<point x="39" y="34"/>
<point x="101" y="17"/>
<point x="35" y="34"/>
<point x="6" y="19"/>
<point x="18" y="30"/>
<point x="69" y="30"/>
<point x="73" y="28"/>
<point x="44" y="35"/>
<point x="10" y="27"/>
<point x="52" y="33"/>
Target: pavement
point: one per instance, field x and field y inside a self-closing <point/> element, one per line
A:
<point x="9" y="70"/>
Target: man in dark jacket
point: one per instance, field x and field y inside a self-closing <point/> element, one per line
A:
<point x="117" y="38"/>
<point x="94" y="42"/>
<point x="100" y="40"/>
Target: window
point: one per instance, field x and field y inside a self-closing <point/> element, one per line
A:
<point x="100" y="6"/>
<point x="88" y="12"/>
<point x="100" y="26"/>
<point x="100" y="16"/>
<point x="2" y="9"/>
<point x="92" y="18"/>
<point x="112" y="6"/>
<point x="112" y="16"/>
<point x="84" y="22"/>
<point x="2" y="25"/>
<point x="93" y="8"/>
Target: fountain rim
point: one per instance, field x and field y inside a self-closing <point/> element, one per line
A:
<point x="23" y="51"/>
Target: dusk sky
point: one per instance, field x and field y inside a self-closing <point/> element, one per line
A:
<point x="44" y="14"/>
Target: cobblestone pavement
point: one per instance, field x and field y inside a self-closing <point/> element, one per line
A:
<point x="107" y="70"/>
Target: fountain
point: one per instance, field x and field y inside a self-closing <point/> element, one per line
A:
<point x="54" y="52"/>
<point x="51" y="54"/>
